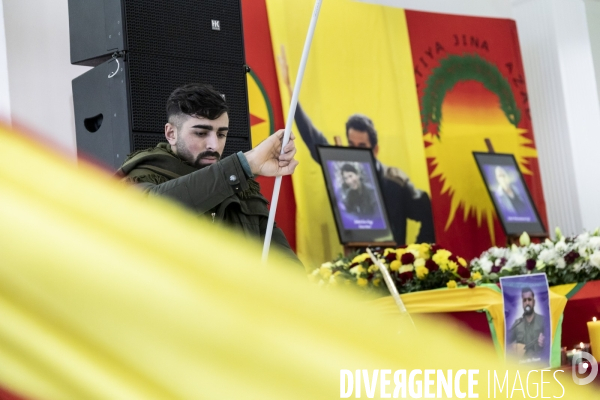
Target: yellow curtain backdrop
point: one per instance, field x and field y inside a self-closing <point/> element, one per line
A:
<point x="360" y="62"/>
<point x="108" y="294"/>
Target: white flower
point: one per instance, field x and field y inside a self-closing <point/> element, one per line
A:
<point x="561" y="263"/>
<point x="583" y="238"/>
<point x="561" y="246"/>
<point x="327" y="265"/>
<point x="577" y="266"/>
<point x="517" y="260"/>
<point x="524" y="240"/>
<point x="486" y="265"/>
<point x="419" y="262"/>
<point x="594" y="242"/>
<point x="548" y="256"/>
<point x="595" y="259"/>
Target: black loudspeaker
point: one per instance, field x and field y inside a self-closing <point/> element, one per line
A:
<point x="142" y="50"/>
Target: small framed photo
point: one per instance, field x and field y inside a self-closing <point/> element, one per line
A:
<point x="354" y="194"/>
<point x="510" y="195"/>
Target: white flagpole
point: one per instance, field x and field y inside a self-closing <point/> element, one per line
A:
<point x="289" y="123"/>
<point x="391" y="287"/>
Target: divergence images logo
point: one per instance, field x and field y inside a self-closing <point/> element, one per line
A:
<point x="582" y="362"/>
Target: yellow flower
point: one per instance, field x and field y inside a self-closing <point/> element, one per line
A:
<point x="441" y="256"/>
<point x="422" y="272"/>
<point x="452" y="266"/>
<point x="360" y="258"/>
<point x="451" y="284"/>
<point x="325" y="272"/>
<point x="395" y="265"/>
<point x="414" y="247"/>
<point x="476" y="276"/>
<point x="376" y="281"/>
<point x="399" y="253"/>
<point x="406" y="268"/>
<point x="462" y="261"/>
<point x="424" y="250"/>
<point x="357" y="270"/>
<point x="362" y="282"/>
<point x="373" y="268"/>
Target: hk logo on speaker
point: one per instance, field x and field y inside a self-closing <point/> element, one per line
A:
<point x="216" y="24"/>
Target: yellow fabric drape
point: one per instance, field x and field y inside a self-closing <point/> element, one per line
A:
<point x="107" y="294"/>
<point x="466" y="299"/>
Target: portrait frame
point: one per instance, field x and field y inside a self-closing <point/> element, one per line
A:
<point x="515" y="219"/>
<point x="360" y="214"/>
<point x="518" y="333"/>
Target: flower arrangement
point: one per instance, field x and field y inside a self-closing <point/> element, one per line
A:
<point x="563" y="260"/>
<point x="413" y="268"/>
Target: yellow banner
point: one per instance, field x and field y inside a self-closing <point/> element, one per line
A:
<point x="108" y="294"/>
<point x="360" y="62"/>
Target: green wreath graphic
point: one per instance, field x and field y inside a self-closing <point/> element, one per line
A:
<point x="457" y="68"/>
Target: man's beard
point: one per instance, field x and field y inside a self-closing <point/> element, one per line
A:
<point x="186" y="155"/>
<point x="528" y="310"/>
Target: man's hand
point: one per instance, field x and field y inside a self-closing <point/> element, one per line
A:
<point x="266" y="158"/>
<point x="541" y="340"/>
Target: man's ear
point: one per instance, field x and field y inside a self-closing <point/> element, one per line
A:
<point x="171" y="133"/>
<point x="376" y="150"/>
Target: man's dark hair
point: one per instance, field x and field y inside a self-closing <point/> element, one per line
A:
<point x="348" y="168"/>
<point x="362" y="123"/>
<point x="527" y="289"/>
<point x="196" y="100"/>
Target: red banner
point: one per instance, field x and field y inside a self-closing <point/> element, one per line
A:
<point x="265" y="105"/>
<point x="471" y="87"/>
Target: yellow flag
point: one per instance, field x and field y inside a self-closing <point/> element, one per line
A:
<point x="108" y="294"/>
<point x="360" y="62"/>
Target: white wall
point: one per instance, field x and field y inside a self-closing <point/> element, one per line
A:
<point x="478" y="8"/>
<point x="593" y="21"/>
<point x="39" y="69"/>
<point x="561" y="81"/>
<point x="4" y="83"/>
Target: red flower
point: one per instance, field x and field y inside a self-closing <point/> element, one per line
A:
<point x="431" y="265"/>
<point x="472" y="285"/>
<point x="407" y="258"/>
<point x="571" y="257"/>
<point x="530" y="264"/>
<point x="434" y="248"/>
<point x="390" y="257"/>
<point x="405" y="277"/>
<point x="453" y="258"/>
<point x="463" y="272"/>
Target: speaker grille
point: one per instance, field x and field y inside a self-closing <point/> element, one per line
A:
<point x="183" y="28"/>
<point x="152" y="79"/>
<point x="143" y="141"/>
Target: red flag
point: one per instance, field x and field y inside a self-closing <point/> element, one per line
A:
<point x="265" y="105"/>
<point x="471" y="86"/>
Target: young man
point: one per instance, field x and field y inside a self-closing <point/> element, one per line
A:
<point x="528" y="331"/>
<point x="189" y="168"/>
<point x="359" y="197"/>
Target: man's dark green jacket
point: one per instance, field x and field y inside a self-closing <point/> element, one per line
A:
<point x="220" y="191"/>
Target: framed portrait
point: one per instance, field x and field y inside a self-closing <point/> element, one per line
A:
<point x="507" y="189"/>
<point x="528" y="320"/>
<point x="354" y="194"/>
